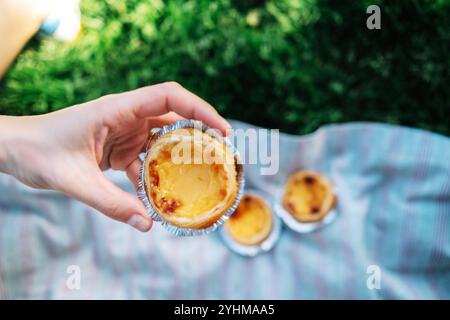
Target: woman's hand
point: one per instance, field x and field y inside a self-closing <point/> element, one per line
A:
<point x="67" y="150"/>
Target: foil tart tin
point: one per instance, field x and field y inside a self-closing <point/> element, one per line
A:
<point x="298" y="226"/>
<point x="267" y="244"/>
<point x="155" y="134"/>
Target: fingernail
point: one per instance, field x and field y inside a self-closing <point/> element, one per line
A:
<point x="228" y="129"/>
<point x="139" y="222"/>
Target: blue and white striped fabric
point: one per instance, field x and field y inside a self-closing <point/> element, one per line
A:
<point x="393" y="189"/>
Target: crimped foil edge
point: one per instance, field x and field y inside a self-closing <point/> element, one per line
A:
<point x="142" y="194"/>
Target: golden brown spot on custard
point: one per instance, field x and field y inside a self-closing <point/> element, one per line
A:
<point x="155" y="180"/>
<point x="152" y="166"/>
<point x="243" y="207"/>
<point x="315" y="210"/>
<point x="165" y="155"/>
<point x="223" y="193"/>
<point x="169" y="205"/>
<point x="154" y="174"/>
<point x="290" y="206"/>
<point x="236" y="214"/>
<point x="309" y="180"/>
<point x="216" y="168"/>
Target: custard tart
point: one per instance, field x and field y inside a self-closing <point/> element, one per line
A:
<point x="308" y="196"/>
<point x="252" y="221"/>
<point x="190" y="178"/>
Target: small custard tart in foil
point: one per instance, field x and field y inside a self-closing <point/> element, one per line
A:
<point x="254" y="227"/>
<point x="191" y="179"/>
<point x="252" y="221"/>
<point x="308" y="196"/>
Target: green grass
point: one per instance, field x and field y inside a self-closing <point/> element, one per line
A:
<point x="288" y="64"/>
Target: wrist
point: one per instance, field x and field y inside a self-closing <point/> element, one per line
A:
<point x="24" y="151"/>
<point x="12" y="136"/>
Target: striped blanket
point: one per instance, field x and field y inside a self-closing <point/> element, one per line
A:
<point x="393" y="189"/>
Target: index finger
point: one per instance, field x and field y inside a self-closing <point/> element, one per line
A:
<point x="162" y="98"/>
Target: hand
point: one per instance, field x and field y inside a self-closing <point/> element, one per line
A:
<point x="67" y="150"/>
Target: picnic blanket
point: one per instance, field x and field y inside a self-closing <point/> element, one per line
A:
<point x="393" y="190"/>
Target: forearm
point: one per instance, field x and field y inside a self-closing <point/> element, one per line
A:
<point x="24" y="151"/>
<point x="7" y="127"/>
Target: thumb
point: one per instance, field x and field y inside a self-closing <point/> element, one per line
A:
<point x="100" y="193"/>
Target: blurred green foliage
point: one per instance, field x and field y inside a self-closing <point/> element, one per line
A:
<point x="288" y="64"/>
